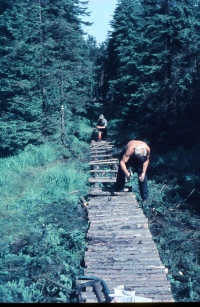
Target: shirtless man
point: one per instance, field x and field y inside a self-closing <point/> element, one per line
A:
<point x="135" y="155"/>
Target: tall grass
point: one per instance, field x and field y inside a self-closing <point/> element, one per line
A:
<point x="41" y="221"/>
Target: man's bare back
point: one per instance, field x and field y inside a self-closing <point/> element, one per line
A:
<point x="130" y="147"/>
<point x="130" y="150"/>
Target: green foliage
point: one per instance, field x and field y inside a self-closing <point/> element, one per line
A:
<point x="151" y="70"/>
<point x="41" y="70"/>
<point x="172" y="219"/>
<point x="43" y="227"/>
<point x="17" y="292"/>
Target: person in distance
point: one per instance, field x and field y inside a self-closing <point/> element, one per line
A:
<point x="102" y="128"/>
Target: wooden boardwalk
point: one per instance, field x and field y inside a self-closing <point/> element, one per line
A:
<point x="121" y="250"/>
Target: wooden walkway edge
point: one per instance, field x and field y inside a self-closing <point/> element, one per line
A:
<point x="121" y="250"/>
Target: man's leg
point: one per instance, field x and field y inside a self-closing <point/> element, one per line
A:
<point x="143" y="185"/>
<point x="99" y="135"/>
<point x="143" y="188"/>
<point x="120" y="181"/>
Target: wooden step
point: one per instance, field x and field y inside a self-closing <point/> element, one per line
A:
<point x="101" y="146"/>
<point x="102" y="179"/>
<point x="113" y="161"/>
<point x="100" y="156"/>
<point x="103" y="171"/>
<point x="101" y="151"/>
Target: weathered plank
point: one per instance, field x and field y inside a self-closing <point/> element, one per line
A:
<point x="96" y="191"/>
<point x="101" y="161"/>
<point x="100" y="156"/>
<point x="101" y="146"/>
<point x="102" y="179"/>
<point x="103" y="171"/>
<point x="101" y="150"/>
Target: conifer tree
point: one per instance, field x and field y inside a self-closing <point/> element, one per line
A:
<point x="153" y="66"/>
<point x="44" y="65"/>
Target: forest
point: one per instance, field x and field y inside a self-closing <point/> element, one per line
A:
<point x="54" y="83"/>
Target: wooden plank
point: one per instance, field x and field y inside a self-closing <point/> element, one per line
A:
<point x="93" y="259"/>
<point x="101" y="146"/>
<point x="146" y="282"/>
<point x="100" y="156"/>
<point x="111" y="159"/>
<point x="139" y="227"/>
<point x="101" y="161"/>
<point x="134" y="249"/>
<point x="105" y="180"/>
<point x="126" y="235"/>
<point x="122" y="242"/>
<point x="114" y="215"/>
<point x="108" y="222"/>
<point x="108" y="208"/>
<point x="129" y="202"/>
<point x="129" y="273"/>
<point x="114" y="218"/>
<point x="103" y="171"/>
<point x="102" y="141"/>
<point x="107" y="193"/>
<point x="101" y="150"/>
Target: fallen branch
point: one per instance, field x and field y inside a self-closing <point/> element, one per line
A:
<point x="76" y="191"/>
<point x="59" y="285"/>
<point x="54" y="282"/>
<point x="185" y="198"/>
<point x="85" y="203"/>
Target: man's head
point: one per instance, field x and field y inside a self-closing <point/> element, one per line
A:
<point x="140" y="151"/>
<point x="101" y="116"/>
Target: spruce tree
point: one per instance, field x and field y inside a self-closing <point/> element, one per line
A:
<point x="44" y="65"/>
<point x="153" y="66"/>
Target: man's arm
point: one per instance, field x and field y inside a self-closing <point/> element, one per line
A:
<point x="122" y="162"/>
<point x="145" y="165"/>
<point x="100" y="127"/>
<point x="104" y="125"/>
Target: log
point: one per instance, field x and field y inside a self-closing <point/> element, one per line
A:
<point x="124" y="245"/>
<point x="98" y="192"/>
<point x="84" y="202"/>
<point x="146" y="283"/>
<point x="99" y="179"/>
<point x="101" y="146"/>
<point x="108" y="208"/>
<point x="127" y="274"/>
<point x="132" y="248"/>
<point x="137" y="218"/>
<point x="107" y="160"/>
<point x="104" y="171"/>
<point x="115" y="218"/>
<point x="101" y="151"/>
<point x="122" y="259"/>
<point x="100" y="156"/>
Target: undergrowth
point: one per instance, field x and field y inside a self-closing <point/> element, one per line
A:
<point x="174" y="218"/>
<point x="43" y="226"/>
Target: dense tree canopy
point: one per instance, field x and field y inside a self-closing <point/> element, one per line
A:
<point x="153" y="67"/>
<point x="44" y="64"/>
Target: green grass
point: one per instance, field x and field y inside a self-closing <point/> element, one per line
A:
<point x="43" y="226"/>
